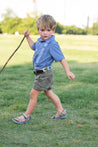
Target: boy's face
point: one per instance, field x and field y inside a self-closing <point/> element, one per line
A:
<point x="45" y="33"/>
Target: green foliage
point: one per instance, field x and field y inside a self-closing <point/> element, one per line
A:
<point x="11" y="24"/>
<point x="95" y="29"/>
<point x="0" y="29"/>
<point x="74" y="30"/>
<point x="27" y="23"/>
<point x="59" y="28"/>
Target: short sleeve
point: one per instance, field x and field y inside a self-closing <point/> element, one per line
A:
<point x="34" y="46"/>
<point x="56" y="52"/>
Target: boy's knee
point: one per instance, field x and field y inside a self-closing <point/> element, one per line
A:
<point x="34" y="93"/>
<point x="48" y="93"/>
<point x="31" y="93"/>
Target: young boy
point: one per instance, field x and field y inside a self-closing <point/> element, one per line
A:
<point x="46" y="50"/>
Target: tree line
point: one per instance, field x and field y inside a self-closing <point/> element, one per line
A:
<point x="14" y="24"/>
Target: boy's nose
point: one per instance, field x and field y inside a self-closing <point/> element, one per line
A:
<point x="45" y="31"/>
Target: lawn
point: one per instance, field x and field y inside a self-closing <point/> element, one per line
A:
<point x="78" y="97"/>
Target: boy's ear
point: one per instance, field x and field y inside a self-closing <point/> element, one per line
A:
<point x="54" y="31"/>
<point x="38" y="30"/>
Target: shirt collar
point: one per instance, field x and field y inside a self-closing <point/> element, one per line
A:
<point x="48" y="40"/>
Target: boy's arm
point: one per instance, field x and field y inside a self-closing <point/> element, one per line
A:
<point x="70" y="75"/>
<point x="29" y="40"/>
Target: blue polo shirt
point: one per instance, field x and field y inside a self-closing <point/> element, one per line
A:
<point x="46" y="52"/>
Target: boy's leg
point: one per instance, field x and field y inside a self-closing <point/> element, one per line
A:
<point x="32" y="103"/>
<point x="56" y="101"/>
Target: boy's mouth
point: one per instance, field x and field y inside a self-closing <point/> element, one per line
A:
<point x="45" y="37"/>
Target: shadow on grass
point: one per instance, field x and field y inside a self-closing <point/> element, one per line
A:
<point x="16" y="81"/>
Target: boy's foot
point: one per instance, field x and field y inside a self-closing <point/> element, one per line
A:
<point x="23" y="119"/>
<point x="61" y="115"/>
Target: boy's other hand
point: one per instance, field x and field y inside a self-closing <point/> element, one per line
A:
<point x="70" y="76"/>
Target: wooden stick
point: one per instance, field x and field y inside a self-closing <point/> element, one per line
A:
<point x="12" y="54"/>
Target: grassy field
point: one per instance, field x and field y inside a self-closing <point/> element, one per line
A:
<point x="78" y="97"/>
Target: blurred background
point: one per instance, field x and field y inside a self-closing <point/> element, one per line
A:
<point x="72" y="16"/>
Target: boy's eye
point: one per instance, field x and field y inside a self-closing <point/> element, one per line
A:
<point x="42" y="30"/>
<point x="46" y="30"/>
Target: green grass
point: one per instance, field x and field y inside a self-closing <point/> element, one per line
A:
<point x="78" y="97"/>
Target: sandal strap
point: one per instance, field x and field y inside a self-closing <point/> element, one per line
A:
<point x="20" y="119"/>
<point x="62" y="113"/>
<point x="25" y="116"/>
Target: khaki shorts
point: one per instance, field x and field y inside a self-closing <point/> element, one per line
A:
<point x="44" y="81"/>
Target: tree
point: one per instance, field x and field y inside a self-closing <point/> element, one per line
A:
<point x="95" y="29"/>
<point x="12" y="24"/>
<point x="74" y="30"/>
<point x="59" y="28"/>
<point x="27" y="23"/>
<point x="0" y="29"/>
<point x="9" y="25"/>
<point x="10" y="21"/>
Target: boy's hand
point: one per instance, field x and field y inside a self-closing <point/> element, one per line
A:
<point x="70" y="76"/>
<point x="26" y="33"/>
